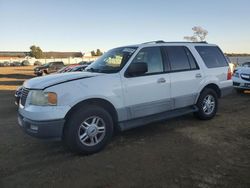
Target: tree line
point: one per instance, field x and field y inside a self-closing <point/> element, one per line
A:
<point x="36" y="52"/>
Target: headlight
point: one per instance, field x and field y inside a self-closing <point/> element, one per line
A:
<point x="41" y="98"/>
<point x="18" y="92"/>
<point x="236" y="74"/>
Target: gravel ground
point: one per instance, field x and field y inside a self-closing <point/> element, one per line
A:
<point x="182" y="152"/>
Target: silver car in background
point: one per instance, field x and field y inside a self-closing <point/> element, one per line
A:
<point x="241" y="77"/>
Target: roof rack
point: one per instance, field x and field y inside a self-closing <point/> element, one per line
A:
<point x="154" y="42"/>
<point x="162" y="41"/>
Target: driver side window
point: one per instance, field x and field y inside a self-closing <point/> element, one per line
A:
<point x="152" y="57"/>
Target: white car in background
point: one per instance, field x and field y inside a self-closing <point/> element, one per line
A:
<point x="241" y="77"/>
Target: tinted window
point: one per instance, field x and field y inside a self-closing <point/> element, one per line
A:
<point x="178" y="58"/>
<point x="151" y="56"/>
<point x="192" y="61"/>
<point x="212" y="56"/>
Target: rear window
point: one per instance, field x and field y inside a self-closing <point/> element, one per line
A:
<point x="59" y="63"/>
<point x="212" y="56"/>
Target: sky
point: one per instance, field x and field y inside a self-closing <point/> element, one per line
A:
<point x="84" y="25"/>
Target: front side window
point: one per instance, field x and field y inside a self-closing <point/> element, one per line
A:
<point x="212" y="56"/>
<point x="112" y="61"/>
<point x="152" y="57"/>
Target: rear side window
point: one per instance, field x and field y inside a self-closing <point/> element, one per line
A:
<point x="180" y="58"/>
<point x="212" y="56"/>
<point x="191" y="59"/>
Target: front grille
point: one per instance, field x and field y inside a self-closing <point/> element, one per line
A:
<point x="245" y="77"/>
<point x="236" y="84"/>
<point x="24" y="95"/>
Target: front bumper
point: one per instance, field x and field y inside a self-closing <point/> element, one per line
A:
<point x="241" y="84"/>
<point x="52" y="129"/>
<point x="17" y="99"/>
<point x="38" y="72"/>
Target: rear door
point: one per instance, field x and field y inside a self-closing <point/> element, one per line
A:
<point x="185" y="76"/>
<point x="149" y="93"/>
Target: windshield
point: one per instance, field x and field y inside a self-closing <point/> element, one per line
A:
<point x="112" y="61"/>
<point x="247" y="64"/>
<point x="46" y="64"/>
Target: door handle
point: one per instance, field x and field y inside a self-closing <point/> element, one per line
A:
<point x="161" y="80"/>
<point x="198" y="75"/>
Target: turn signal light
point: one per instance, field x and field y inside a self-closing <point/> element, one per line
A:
<point x="52" y="98"/>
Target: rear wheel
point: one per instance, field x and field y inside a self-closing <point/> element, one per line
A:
<point x="207" y="104"/>
<point x="88" y="129"/>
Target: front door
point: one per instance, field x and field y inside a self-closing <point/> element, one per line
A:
<point x="149" y="93"/>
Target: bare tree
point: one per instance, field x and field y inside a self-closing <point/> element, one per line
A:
<point x="199" y="34"/>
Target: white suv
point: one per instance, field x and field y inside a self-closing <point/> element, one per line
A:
<point x="125" y="88"/>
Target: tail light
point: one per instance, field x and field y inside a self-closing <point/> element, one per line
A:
<point x="229" y="74"/>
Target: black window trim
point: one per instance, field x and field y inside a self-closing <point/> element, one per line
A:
<point x="196" y="64"/>
<point x="182" y="70"/>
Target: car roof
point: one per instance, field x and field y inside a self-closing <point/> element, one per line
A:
<point x="163" y="43"/>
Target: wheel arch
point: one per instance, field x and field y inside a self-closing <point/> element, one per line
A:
<point x="212" y="86"/>
<point x="95" y="101"/>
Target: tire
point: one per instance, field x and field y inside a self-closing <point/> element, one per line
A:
<point x="46" y="71"/>
<point x="240" y="91"/>
<point x="207" y="111"/>
<point x="84" y="135"/>
<point x="39" y="74"/>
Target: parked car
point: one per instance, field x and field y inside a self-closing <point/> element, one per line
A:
<point x="48" y="68"/>
<point x="15" y="64"/>
<point x="78" y="68"/>
<point x="241" y="77"/>
<point x="18" y="94"/>
<point x="4" y="64"/>
<point x="25" y="63"/>
<point x="125" y="88"/>
<point x="85" y="62"/>
<point x="67" y="68"/>
<point x="37" y="63"/>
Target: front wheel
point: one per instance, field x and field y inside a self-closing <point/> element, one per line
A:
<point x="39" y="73"/>
<point x="207" y="104"/>
<point x="240" y="91"/>
<point x="88" y="129"/>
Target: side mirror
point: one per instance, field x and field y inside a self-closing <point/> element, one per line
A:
<point x="137" y="69"/>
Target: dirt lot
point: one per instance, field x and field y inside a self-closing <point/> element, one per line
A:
<point x="183" y="152"/>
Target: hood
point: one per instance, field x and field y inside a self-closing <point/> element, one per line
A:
<point x="53" y="79"/>
<point x="244" y="70"/>
<point x="42" y="66"/>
